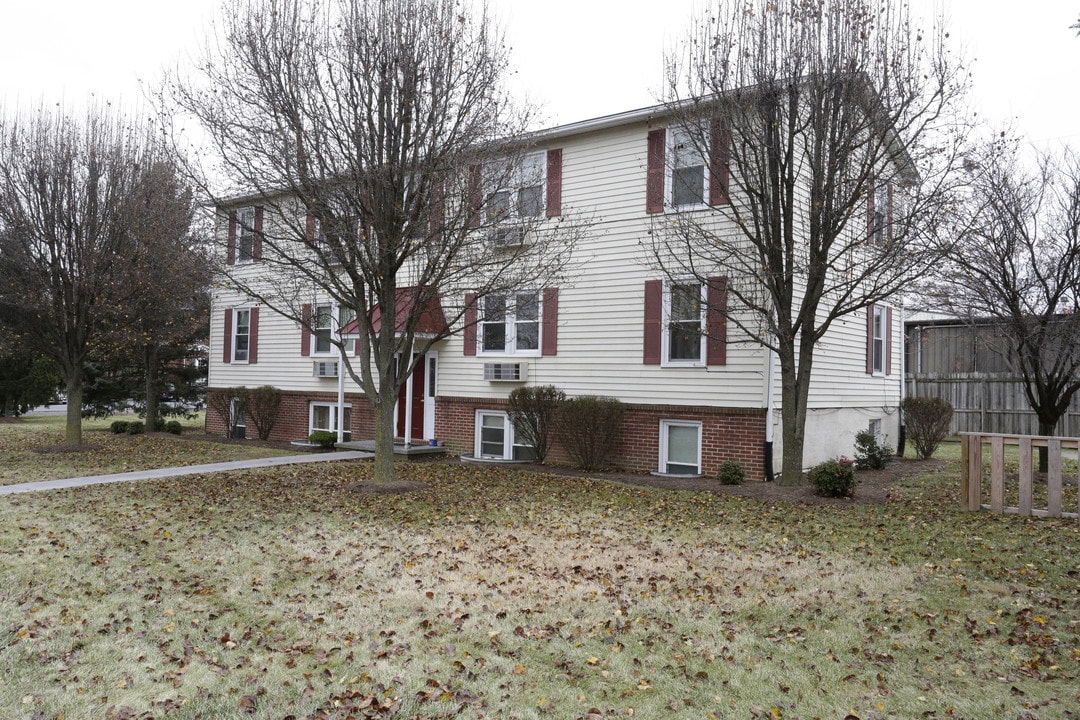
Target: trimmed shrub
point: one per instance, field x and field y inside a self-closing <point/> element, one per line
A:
<point x="927" y="421"/>
<point x="174" y="427"/>
<point x="159" y="425"/>
<point x="119" y="427"/>
<point x="262" y="407"/>
<point x="533" y="411"/>
<point x="323" y="438"/>
<point x="869" y="453"/>
<point x="136" y="427"/>
<point x="588" y="428"/>
<point x="731" y="473"/>
<point x="833" y="478"/>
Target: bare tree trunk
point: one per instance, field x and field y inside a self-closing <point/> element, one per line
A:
<point x="150" y="367"/>
<point x="384" y="440"/>
<point x="793" y="414"/>
<point x="73" y="426"/>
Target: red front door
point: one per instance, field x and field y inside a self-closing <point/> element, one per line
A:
<point x="417" y="433"/>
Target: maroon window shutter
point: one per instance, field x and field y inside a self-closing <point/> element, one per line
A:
<point x="888" y="341"/>
<point x="253" y="336"/>
<point x="309" y="230"/>
<point x="654" y="173"/>
<point x="719" y="155"/>
<point x="227" y="351"/>
<point x="870" y="339"/>
<point x="554" y="182"/>
<point x="654" y="302"/>
<point x="231" y="245"/>
<point x="474" y="196"/>
<point x="256" y="242"/>
<point x="716" y="322"/>
<point x="470" y="323"/>
<point x="305" y="330"/>
<point x="550" y="341"/>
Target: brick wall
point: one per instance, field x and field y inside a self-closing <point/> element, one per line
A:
<point x="294" y="415"/>
<point x="726" y="433"/>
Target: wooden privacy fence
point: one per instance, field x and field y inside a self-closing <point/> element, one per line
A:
<point x="989" y="403"/>
<point x="971" y="476"/>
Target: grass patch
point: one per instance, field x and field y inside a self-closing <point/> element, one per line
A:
<point x="503" y="594"/>
<point x="21" y="445"/>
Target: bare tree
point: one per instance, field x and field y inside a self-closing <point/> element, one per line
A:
<point x="377" y="137"/>
<point x="806" y="114"/>
<point x="1013" y="260"/>
<point x="64" y="182"/>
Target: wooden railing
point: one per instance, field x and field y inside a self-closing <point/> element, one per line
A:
<point x="972" y="464"/>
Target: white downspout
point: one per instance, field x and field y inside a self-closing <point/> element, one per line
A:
<point x="341" y="394"/>
<point x="902" y="440"/>
<point x="770" y="386"/>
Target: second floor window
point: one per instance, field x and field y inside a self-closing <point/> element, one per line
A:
<point x="241" y="335"/>
<point x="521" y="191"/>
<point x="327" y="322"/>
<point x="511" y="323"/>
<point x="245" y="235"/>
<point x="687" y="170"/>
<point x="684" y="334"/>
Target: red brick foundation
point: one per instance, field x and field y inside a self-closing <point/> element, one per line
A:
<point x="726" y="433"/>
<point x="293" y="417"/>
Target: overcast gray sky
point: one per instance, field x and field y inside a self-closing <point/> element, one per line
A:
<point x="578" y="58"/>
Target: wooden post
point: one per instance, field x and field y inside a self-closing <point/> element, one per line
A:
<point x="1053" y="478"/>
<point x="965" y="471"/>
<point x="997" y="475"/>
<point x="975" y="478"/>
<point x="1025" y="476"/>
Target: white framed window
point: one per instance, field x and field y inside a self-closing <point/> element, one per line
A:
<point x="875" y="429"/>
<point x="878" y="340"/>
<point x="684" y="322"/>
<point x="241" y="339"/>
<point x="324" y="416"/>
<point x="245" y="235"/>
<point x="493" y="435"/>
<point x="686" y="174"/>
<point x="516" y="195"/>
<point x="327" y="320"/>
<point x="510" y="324"/>
<point x="495" y="438"/>
<point x="680" y="447"/>
<point x="237" y="419"/>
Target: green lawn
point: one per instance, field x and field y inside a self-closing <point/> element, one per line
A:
<point x="502" y="594"/>
<point x="21" y="459"/>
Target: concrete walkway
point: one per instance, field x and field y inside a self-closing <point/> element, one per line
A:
<point x="187" y="470"/>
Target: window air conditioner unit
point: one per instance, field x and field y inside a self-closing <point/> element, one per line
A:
<point x="506" y="372"/>
<point x="506" y="237"/>
<point x="326" y="369"/>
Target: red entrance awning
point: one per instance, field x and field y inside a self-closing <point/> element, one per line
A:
<point x="430" y="322"/>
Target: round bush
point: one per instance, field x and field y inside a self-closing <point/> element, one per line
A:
<point x="731" y="473"/>
<point x="136" y="427"/>
<point x="119" y="427"/>
<point x="833" y="478"/>
<point x="323" y="438"/>
<point x="174" y="427"/>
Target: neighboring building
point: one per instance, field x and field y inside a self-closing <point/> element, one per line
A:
<point x="696" y="393"/>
